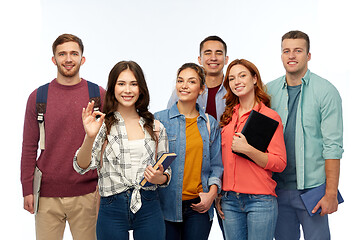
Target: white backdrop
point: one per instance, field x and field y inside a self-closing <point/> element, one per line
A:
<point x="161" y="35"/>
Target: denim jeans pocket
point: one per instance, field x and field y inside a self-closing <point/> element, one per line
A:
<point x="104" y="201"/>
<point x="149" y="195"/>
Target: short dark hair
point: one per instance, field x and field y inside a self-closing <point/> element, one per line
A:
<point x="67" y="38"/>
<point x="213" y="38"/>
<point x="296" y="34"/>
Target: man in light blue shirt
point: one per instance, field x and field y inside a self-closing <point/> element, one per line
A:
<point x="213" y="58"/>
<point x="311" y="111"/>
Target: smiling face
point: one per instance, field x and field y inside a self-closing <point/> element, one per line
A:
<point x="68" y="59"/>
<point x="126" y="90"/>
<point x="213" y="58"/>
<point x="188" y="85"/>
<point x="241" y="82"/>
<point x="295" y="57"/>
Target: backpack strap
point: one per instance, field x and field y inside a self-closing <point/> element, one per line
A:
<point x="41" y="100"/>
<point x="94" y="95"/>
<point x="208" y="124"/>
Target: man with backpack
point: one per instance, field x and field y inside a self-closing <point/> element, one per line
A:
<point x="53" y="120"/>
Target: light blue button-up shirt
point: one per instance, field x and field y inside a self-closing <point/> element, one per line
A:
<point x="211" y="169"/>
<point x="319" y="125"/>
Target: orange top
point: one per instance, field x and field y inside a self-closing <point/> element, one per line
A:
<point x="193" y="161"/>
<point x="243" y="176"/>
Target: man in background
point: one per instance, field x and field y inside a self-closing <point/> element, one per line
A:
<point x="213" y="58"/>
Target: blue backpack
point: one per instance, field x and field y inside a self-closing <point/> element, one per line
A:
<point x="41" y="100"/>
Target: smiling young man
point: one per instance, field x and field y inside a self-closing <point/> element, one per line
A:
<point x="213" y="58"/>
<point x="65" y="196"/>
<point x="311" y="111"/>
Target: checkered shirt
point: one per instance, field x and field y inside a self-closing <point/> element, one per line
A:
<point x="115" y="174"/>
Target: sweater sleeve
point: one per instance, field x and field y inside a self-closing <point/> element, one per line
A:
<point x="29" y="145"/>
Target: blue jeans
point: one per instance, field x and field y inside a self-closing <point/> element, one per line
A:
<point x="249" y="216"/>
<point x="292" y="213"/>
<point x="115" y="218"/>
<point x="195" y="225"/>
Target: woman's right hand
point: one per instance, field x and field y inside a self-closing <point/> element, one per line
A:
<point x="91" y="123"/>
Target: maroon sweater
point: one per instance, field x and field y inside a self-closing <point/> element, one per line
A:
<point x="64" y="134"/>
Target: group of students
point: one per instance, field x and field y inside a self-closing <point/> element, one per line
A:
<point x="115" y="146"/>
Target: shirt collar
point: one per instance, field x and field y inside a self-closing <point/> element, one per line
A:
<point x="305" y="79"/>
<point x="174" y="111"/>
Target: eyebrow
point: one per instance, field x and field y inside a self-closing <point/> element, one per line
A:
<point x="293" y="48"/>
<point x="237" y="73"/>
<point x="73" y="51"/>
<point x="120" y="80"/>
<point x="190" y="78"/>
<point x="209" y="50"/>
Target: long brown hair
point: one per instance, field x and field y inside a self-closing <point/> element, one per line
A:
<point x="232" y="100"/>
<point x="141" y="105"/>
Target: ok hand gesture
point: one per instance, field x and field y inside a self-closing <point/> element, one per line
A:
<point x="91" y="123"/>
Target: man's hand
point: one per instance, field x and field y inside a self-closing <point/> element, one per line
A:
<point x="329" y="202"/>
<point x="328" y="205"/>
<point x="29" y="203"/>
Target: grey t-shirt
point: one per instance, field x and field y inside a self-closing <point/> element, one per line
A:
<point x="287" y="179"/>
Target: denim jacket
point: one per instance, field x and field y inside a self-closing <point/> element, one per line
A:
<point x="212" y="167"/>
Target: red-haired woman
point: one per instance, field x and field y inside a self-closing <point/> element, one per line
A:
<point x="248" y="203"/>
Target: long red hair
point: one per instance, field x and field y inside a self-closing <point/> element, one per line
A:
<point x="232" y="100"/>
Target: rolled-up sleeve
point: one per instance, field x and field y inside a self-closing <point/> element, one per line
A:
<point x="332" y="124"/>
<point x="95" y="153"/>
<point x="276" y="150"/>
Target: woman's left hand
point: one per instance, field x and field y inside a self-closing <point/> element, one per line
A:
<point x="239" y="143"/>
<point x="155" y="176"/>
<point x="206" y="200"/>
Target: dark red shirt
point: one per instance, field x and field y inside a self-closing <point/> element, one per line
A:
<point x="211" y="104"/>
